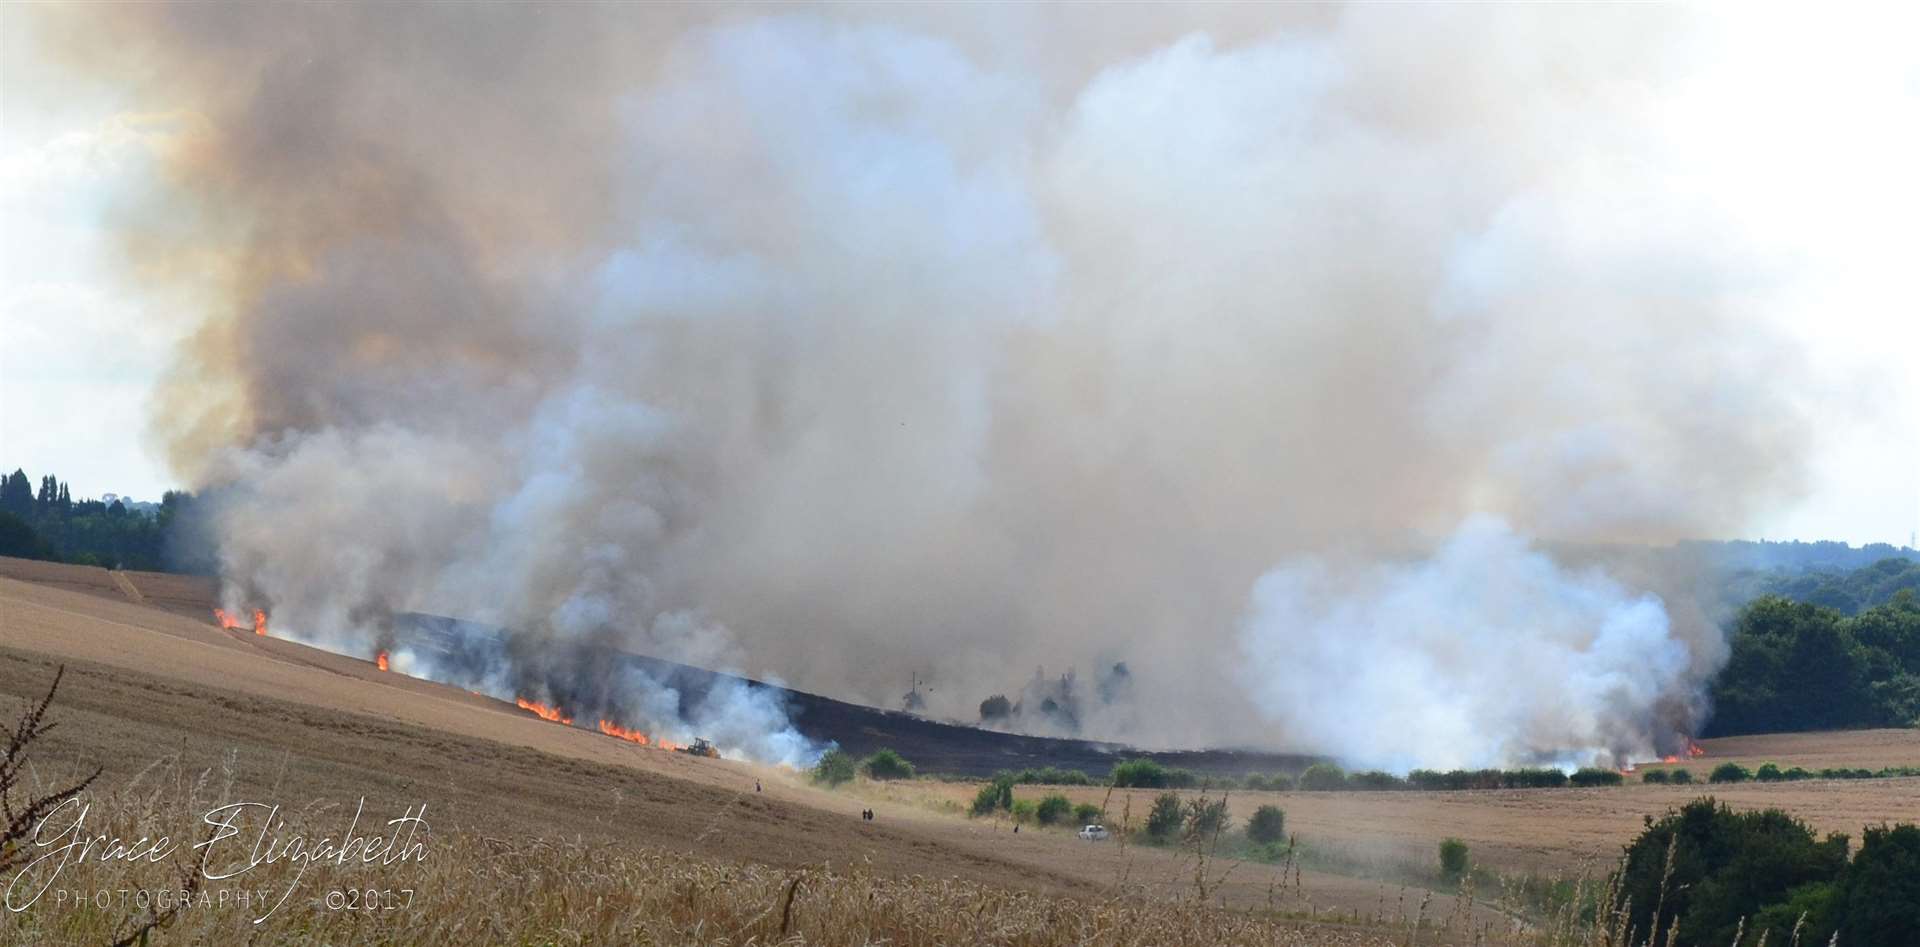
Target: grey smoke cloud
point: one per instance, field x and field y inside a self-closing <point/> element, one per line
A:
<point x="862" y="342"/>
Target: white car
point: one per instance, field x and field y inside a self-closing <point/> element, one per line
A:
<point x="1094" y="833"/>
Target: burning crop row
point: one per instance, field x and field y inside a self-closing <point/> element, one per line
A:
<point x="383" y="661"/>
<point x="229" y="623"/>
<point x="543" y="711"/>
<point x="608" y="727"/>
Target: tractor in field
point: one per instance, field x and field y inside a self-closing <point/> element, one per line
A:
<point x="701" y="747"/>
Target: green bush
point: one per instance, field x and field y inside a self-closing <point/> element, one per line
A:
<point x="1729" y="773"/>
<point x="1279" y="782"/>
<point x="1049" y="776"/>
<point x="1596" y="777"/>
<point x="1453" y="858"/>
<point x="1255" y="782"/>
<point x="1533" y="779"/>
<point x="1147" y="774"/>
<point x="1053" y="809"/>
<point x="1726" y="865"/>
<point x="1165" y="817"/>
<point x="1142" y="774"/>
<point x="1680" y="776"/>
<point x="1769" y="773"/>
<point x="1268" y="825"/>
<point x="996" y="795"/>
<point x="1272" y="853"/>
<point x="886" y="764"/>
<point x="1206" y="818"/>
<point x="1086" y="813"/>
<point x="1321" y="777"/>
<point x="1024" y="810"/>
<point x="1654" y="776"/>
<point x="1375" y="780"/>
<point x="1879" y="900"/>
<point x="835" y="767"/>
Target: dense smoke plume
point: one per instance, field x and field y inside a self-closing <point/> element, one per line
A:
<point x="1268" y="350"/>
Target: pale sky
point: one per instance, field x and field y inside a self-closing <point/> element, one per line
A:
<point x="82" y="346"/>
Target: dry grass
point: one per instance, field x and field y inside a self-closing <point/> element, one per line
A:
<point x="473" y="888"/>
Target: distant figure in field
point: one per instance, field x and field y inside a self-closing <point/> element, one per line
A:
<point x="756" y="785"/>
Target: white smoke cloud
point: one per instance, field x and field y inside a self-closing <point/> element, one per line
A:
<point x="859" y="344"/>
<point x="1487" y="653"/>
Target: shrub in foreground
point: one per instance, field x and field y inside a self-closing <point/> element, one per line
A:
<point x="886" y="764"/>
<point x="835" y="767"/>
<point x="1595" y="777"/>
<point x="1048" y="776"/>
<point x="1321" y="777"/>
<point x="994" y="796"/>
<point x="1206" y="818"/>
<point x="1165" y="817"/>
<point x="1453" y="858"/>
<point x="1726" y="865"/>
<point x="1147" y="774"/>
<point x="1729" y="773"/>
<point x="1053" y="809"/>
<point x="1268" y="825"/>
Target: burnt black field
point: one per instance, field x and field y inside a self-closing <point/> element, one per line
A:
<point x="587" y="680"/>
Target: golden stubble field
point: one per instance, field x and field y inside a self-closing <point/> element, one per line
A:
<point x="156" y="694"/>
<point x="167" y="702"/>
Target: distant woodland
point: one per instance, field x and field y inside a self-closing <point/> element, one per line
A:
<point x="46" y="522"/>
<point x="1824" y="651"/>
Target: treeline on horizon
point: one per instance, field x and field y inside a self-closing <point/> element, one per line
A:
<point x="45" y="522"/>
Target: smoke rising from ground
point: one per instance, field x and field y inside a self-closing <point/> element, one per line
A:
<point x="860" y="342"/>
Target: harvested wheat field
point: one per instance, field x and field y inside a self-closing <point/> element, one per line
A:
<point x="1556" y="830"/>
<point x="180" y="714"/>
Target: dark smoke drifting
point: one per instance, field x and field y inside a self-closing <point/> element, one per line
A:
<point x="1260" y="349"/>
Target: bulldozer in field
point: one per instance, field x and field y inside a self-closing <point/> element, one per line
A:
<point x="701" y="747"/>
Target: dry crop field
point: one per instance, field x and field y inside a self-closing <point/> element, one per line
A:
<point x="565" y="835"/>
<point x="179" y="713"/>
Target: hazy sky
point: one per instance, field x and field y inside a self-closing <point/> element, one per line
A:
<point x="1814" y="145"/>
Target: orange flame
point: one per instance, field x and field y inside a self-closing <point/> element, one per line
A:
<point x="1695" y="750"/>
<point x="666" y="744"/>
<point x="1670" y="759"/>
<point x="381" y="660"/>
<point x="226" y="621"/>
<point x="612" y="729"/>
<point x="259" y="622"/>
<point x="542" y="710"/>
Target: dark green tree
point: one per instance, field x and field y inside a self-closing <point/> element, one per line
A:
<point x="16" y="495"/>
<point x="1879" y="900"/>
<point x="1726" y="865"/>
<point x="18" y="540"/>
